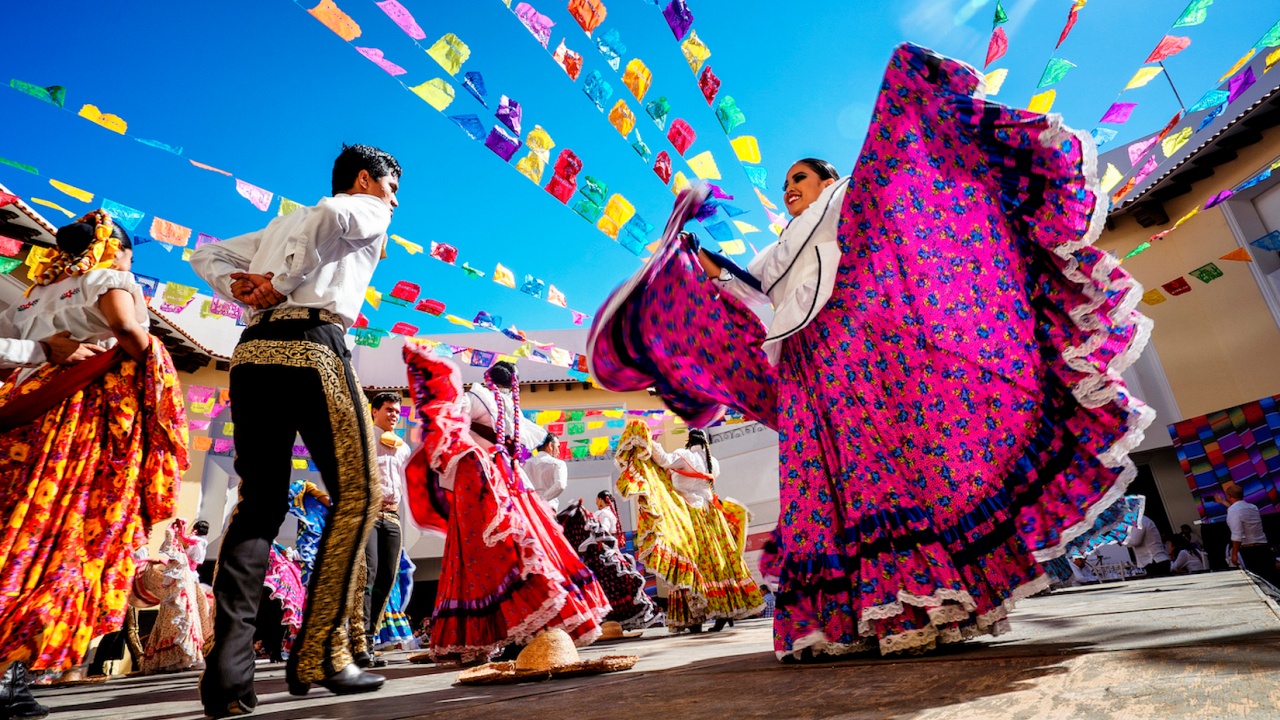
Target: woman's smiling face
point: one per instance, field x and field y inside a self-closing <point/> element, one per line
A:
<point x="802" y="187"/>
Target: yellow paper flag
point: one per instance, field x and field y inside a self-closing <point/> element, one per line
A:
<point x="410" y="247"/>
<point x="460" y="321"/>
<point x="747" y="149"/>
<point x="299" y="464"/>
<point x="616" y="214"/>
<point x="733" y="247"/>
<point x="114" y="123"/>
<point x="595" y="424"/>
<point x="613" y="414"/>
<point x="745" y="228"/>
<point x="504" y="276"/>
<point x="1174" y="143"/>
<point x="1272" y="59"/>
<point x="1239" y="64"/>
<point x="450" y="52"/>
<point x="995" y="81"/>
<point x="598" y="446"/>
<point x="75" y="192"/>
<point x="229" y="429"/>
<point x="764" y="200"/>
<point x="437" y="92"/>
<point x="53" y="205"/>
<point x="695" y="51"/>
<point x="621" y="118"/>
<point x="1143" y="76"/>
<point x="637" y="78"/>
<point x="540" y="143"/>
<point x="679" y="182"/>
<point x="1111" y="178"/>
<point x="776" y="229"/>
<point x="1153" y="297"/>
<point x="336" y="20"/>
<point x="704" y="166"/>
<point x="531" y="166"/>
<point x="373" y="297"/>
<point x="287" y="206"/>
<point x="1043" y="102"/>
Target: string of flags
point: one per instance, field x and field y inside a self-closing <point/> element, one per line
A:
<point x="616" y="218"/>
<point x="1211" y="271"/>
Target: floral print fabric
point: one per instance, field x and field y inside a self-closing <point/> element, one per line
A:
<point x="615" y="570"/>
<point x="80" y="488"/>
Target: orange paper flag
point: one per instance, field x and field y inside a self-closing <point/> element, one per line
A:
<point x="169" y="232"/>
<point x="1240" y="254"/>
<point x="336" y="20"/>
<point x="210" y="168"/>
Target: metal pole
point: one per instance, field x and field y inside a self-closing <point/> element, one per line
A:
<point x="1172" y="86"/>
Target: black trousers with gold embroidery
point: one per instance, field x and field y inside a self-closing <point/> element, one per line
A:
<point x="292" y="374"/>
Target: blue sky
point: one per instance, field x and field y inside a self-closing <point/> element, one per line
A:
<point x="263" y="90"/>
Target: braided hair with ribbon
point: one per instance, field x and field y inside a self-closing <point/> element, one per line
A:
<point x="90" y="243"/>
<point x="612" y="502"/>
<point x="503" y="375"/>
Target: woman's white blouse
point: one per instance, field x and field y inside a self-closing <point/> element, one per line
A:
<point x="608" y="521"/>
<point x="696" y="491"/>
<point x="72" y="305"/>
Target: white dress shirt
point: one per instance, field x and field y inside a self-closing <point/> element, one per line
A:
<point x="696" y="491"/>
<point x="798" y="272"/>
<point x="1245" y="523"/>
<point x="1148" y="546"/>
<point x="1187" y="562"/>
<point x="393" y="456"/>
<point x="549" y="477"/>
<point x="322" y="256"/>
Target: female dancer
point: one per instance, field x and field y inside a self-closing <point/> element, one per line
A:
<point x="508" y="573"/>
<point x="616" y="571"/>
<point x="692" y="548"/>
<point x="943" y="366"/>
<point x="185" y="621"/>
<point x="77" y="504"/>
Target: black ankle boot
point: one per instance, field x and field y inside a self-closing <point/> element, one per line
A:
<point x="16" y="700"/>
<point x="720" y="623"/>
<point x="347" y="681"/>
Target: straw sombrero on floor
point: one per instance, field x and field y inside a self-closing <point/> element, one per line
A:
<point x="612" y="630"/>
<point x="551" y="655"/>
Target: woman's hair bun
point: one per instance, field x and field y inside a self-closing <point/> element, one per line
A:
<point x="75" y="238"/>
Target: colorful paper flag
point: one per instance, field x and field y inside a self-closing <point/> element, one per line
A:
<point x="75" y="192"/>
<point x="410" y="247"/>
<point x="555" y="297"/>
<point x="401" y="17"/>
<point x="1239" y="84"/>
<point x="1206" y="273"/>
<point x="728" y="114"/>
<point x="1269" y="242"/>
<point x="1001" y="17"/>
<point x="1168" y="46"/>
<point x="259" y="197"/>
<point x="54" y="94"/>
<point x="998" y="46"/>
<point x="1153" y="297"/>
<point x="114" y="123"/>
<point x="536" y="23"/>
<point x="1143" y="247"/>
<point x="1143" y="76"/>
<point x="569" y="60"/>
<point x="704" y="166"/>
<point x="1054" y="71"/>
<point x="679" y="18"/>
<point x="1118" y="113"/>
<point x="1239" y="255"/>
<point x="1043" y="102"/>
<point x="637" y="78"/>
<point x="1111" y="178"/>
<point x="588" y="13"/>
<point x="1174" y="142"/>
<point x="373" y="297"/>
<point x="1210" y="99"/>
<point x="287" y="206"/>
<point x="444" y="252"/>
<point x="450" y="53"/>
<point x="169" y="232"/>
<point x="622" y="119"/>
<point x="709" y="84"/>
<point x="503" y="276"/>
<point x="1177" y="287"/>
<point x="437" y="92"/>
<point x="1072" y="15"/>
<point x="695" y="51"/>
<point x="377" y="58"/>
<point x="336" y="20"/>
<point x="210" y="168"/>
<point x="1239" y="64"/>
<point x="995" y="80"/>
<point x="1194" y="14"/>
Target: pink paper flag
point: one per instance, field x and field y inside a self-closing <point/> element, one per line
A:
<point x="375" y="55"/>
<point x="202" y="239"/>
<point x="223" y="445"/>
<point x="197" y="424"/>
<point x="260" y="198"/>
<point x="1118" y="113"/>
<point x="401" y="16"/>
<point x="1169" y="46"/>
<point x="998" y="47"/>
<point x="1140" y="148"/>
<point x="578" y="317"/>
<point x="1146" y="170"/>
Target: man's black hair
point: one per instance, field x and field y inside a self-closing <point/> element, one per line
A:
<point x="383" y="398"/>
<point x="546" y="442"/>
<point x="355" y="158"/>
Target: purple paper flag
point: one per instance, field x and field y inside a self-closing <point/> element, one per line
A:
<point x="1146" y="170"/>
<point x="679" y="18"/>
<point x="1238" y="84"/>
<point x="400" y="16"/>
<point x="502" y="144"/>
<point x="509" y="113"/>
<point x="1140" y="148"/>
<point x="1119" y="113"/>
<point x="1218" y="199"/>
<point x="375" y="55"/>
<point x="260" y="197"/>
<point x="218" y="306"/>
<point x="482" y="358"/>
<point x="223" y="445"/>
<point x="718" y="192"/>
<point x="203" y="239"/>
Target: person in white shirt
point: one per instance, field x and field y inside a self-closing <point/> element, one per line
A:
<point x="607" y="515"/>
<point x="1248" y="540"/>
<point x="1148" y="547"/>
<point x="382" y="551"/>
<point x="198" y="548"/>
<point x="693" y="469"/>
<point x="1081" y="573"/>
<point x="499" y="397"/>
<point x="1186" y="559"/>
<point x="548" y="474"/>
<point x="303" y="278"/>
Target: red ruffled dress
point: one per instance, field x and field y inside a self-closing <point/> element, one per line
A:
<point x="507" y="573"/>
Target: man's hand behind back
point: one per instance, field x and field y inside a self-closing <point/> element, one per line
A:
<point x="255" y="291"/>
<point x="65" y="351"/>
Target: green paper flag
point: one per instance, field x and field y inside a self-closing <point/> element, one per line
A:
<point x="471" y="272"/>
<point x="728" y="114"/>
<point x="1206" y="273"/>
<point x="20" y="166"/>
<point x="577" y="415"/>
<point x="1001" y="17"/>
<point x="1054" y="71"/>
<point x="1270" y="39"/>
<point x="1138" y="250"/>
<point x="576" y="428"/>
<point x="8" y="264"/>
<point x="581" y="452"/>
<point x="1195" y="13"/>
<point x="54" y="94"/>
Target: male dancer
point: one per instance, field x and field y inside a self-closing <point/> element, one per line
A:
<point x="382" y="552"/>
<point x="303" y="279"/>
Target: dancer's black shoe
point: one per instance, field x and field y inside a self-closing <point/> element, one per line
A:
<point x="16" y="700"/>
<point x="347" y="681"/>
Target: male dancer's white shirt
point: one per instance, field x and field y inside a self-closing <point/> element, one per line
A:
<point x="20" y="353"/>
<point x="322" y="256"/>
<point x="549" y="476"/>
